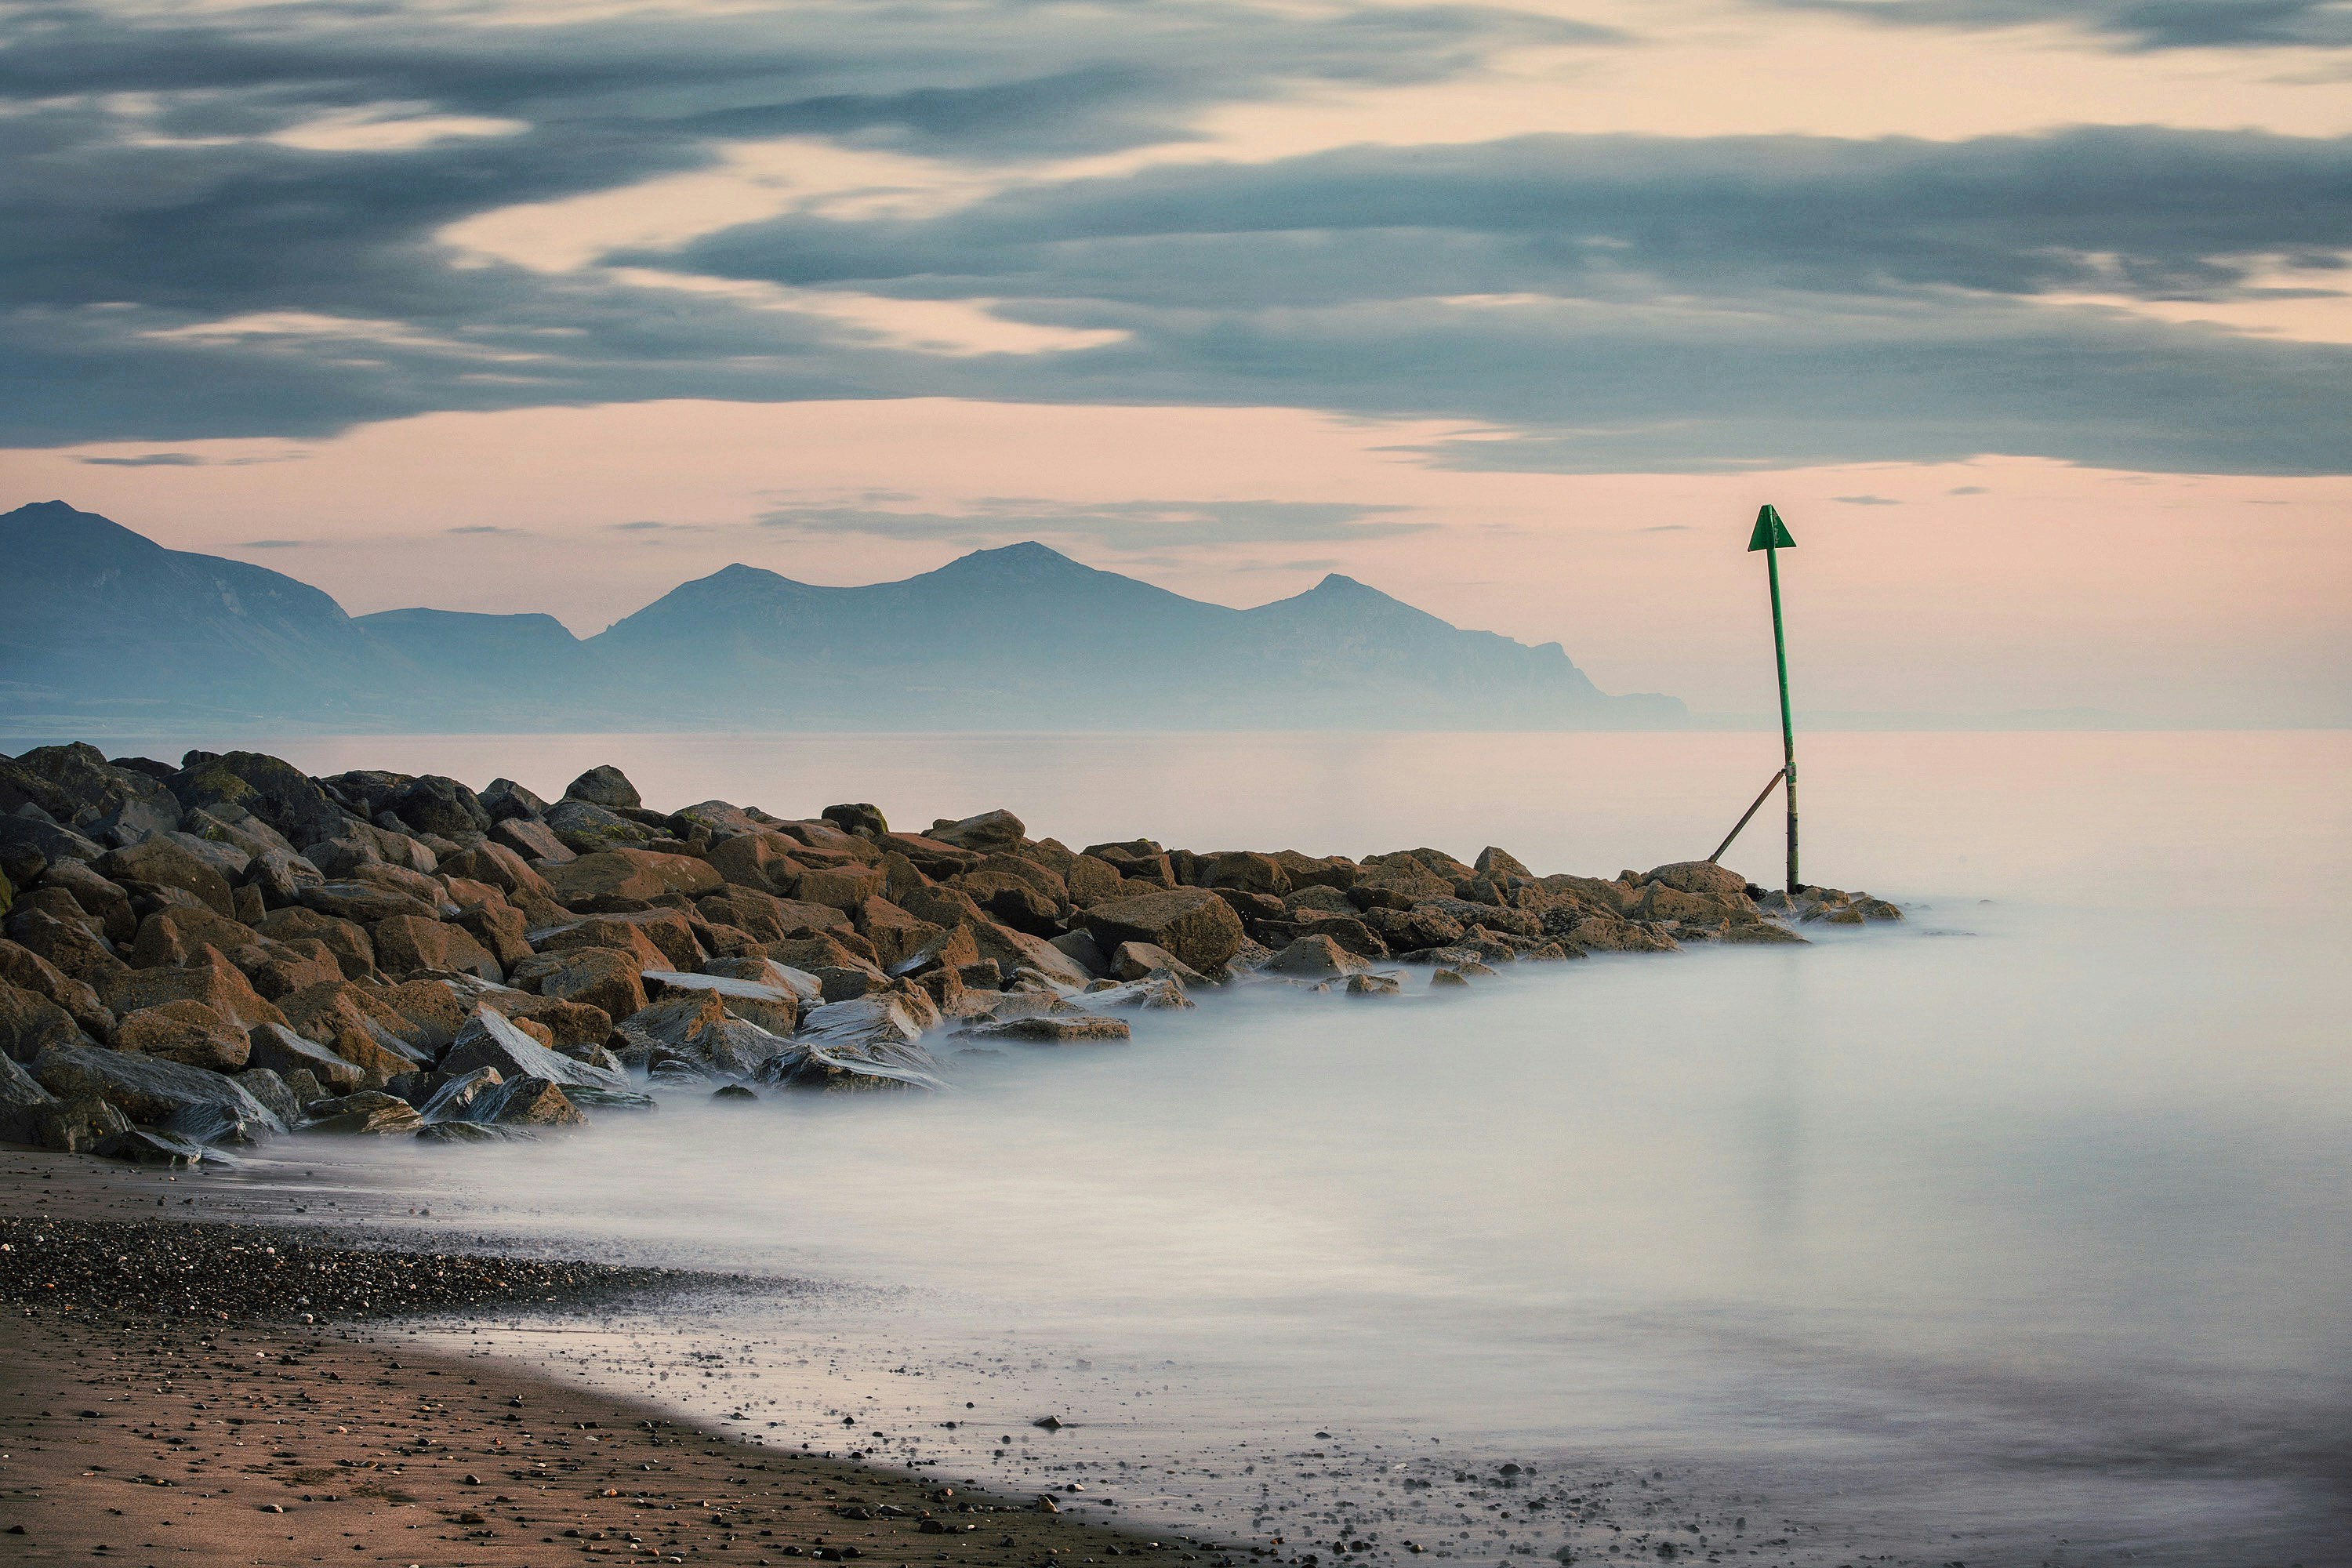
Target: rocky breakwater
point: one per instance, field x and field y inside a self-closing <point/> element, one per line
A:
<point x="207" y="955"/>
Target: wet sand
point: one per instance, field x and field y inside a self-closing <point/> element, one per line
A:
<point x="181" y="1433"/>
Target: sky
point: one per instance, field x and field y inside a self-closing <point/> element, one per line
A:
<point x="2034" y="318"/>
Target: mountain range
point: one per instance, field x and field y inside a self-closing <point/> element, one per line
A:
<point x="106" y="629"/>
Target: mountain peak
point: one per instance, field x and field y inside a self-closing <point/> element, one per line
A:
<point x="1027" y="559"/>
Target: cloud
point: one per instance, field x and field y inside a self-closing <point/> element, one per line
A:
<point x="275" y="545"/>
<point x="175" y="268"/>
<point x="1126" y="525"/>
<point x="1866" y="500"/>
<point x="489" y="529"/>
<point x="2131" y="24"/>
<point x="148" y="460"/>
<point x="1969" y="490"/>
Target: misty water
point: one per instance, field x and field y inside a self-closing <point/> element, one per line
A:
<point x="2017" y="1232"/>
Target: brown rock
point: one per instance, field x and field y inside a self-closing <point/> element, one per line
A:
<point x="762" y="861"/>
<point x="284" y="1052"/>
<point x="407" y="945"/>
<point x="665" y="937"/>
<point x="569" y="1025"/>
<point x="368" y="1112"/>
<point x="210" y="979"/>
<point x="72" y="949"/>
<point x="98" y="899"/>
<point x="1313" y="958"/>
<point x="365" y="903"/>
<point x="498" y="865"/>
<point x="1015" y="950"/>
<point x="1091" y="879"/>
<point x="990" y="832"/>
<point x="532" y="839"/>
<point x="1138" y="859"/>
<point x="1700" y="876"/>
<point x="347" y="940"/>
<point x="602" y="977"/>
<point x="928" y="856"/>
<point x="22" y="967"/>
<point x="176" y="936"/>
<point x="430" y="1009"/>
<point x="162" y="862"/>
<point x="1133" y="961"/>
<point x="186" y="1032"/>
<point x="278" y="969"/>
<point x="945" y="907"/>
<point x="1246" y="872"/>
<point x="624" y="879"/>
<point x="500" y="929"/>
<point x="1193" y="923"/>
<point x="896" y="934"/>
<point x="31" y="1022"/>
<point x="841" y="887"/>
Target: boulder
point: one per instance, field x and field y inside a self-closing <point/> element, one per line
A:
<point x="1192" y="923"/>
<point x="604" y="785"/>
<point x="463" y="1097"/>
<point x="775" y="1007"/>
<point x="24" y="1105"/>
<point x="282" y="1051"/>
<point x="100" y="900"/>
<point x="1136" y="860"/>
<point x="1313" y="958"/>
<point x="368" y="1112"/>
<point x="439" y="805"/>
<point x="602" y="977"/>
<point x="22" y="967"/>
<point x="868" y="1043"/>
<point x="572" y="1027"/>
<point x="506" y="800"/>
<point x="1013" y="950"/>
<point x="1138" y="960"/>
<point x="861" y="818"/>
<point x="1052" y="1029"/>
<point x="406" y="944"/>
<point x="29" y="843"/>
<point x="629" y="879"/>
<point x="990" y="832"/>
<point x="928" y="856"/>
<point x="161" y="862"/>
<point x="106" y="801"/>
<point x="360" y="1025"/>
<point x="1081" y="948"/>
<point x="221" y="855"/>
<point x="533" y="839"/>
<point x="1702" y="877"/>
<point x="346" y="940"/>
<point x="944" y="907"/>
<point x="530" y="1102"/>
<point x="584" y="829"/>
<point x="279" y="876"/>
<point x="277" y="792"/>
<point x="210" y="979"/>
<point x="272" y="1092"/>
<point x="1091" y="878"/>
<point x="154" y="1092"/>
<point x="1246" y="872"/>
<point x="186" y="1032"/>
<point x="762" y="860"/>
<point x="1409" y="931"/>
<point x="178" y="936"/>
<point x="498" y="866"/>
<point x="31" y="1023"/>
<point x="843" y="888"/>
<point x="1375" y="985"/>
<point x="366" y="903"/>
<point x="488" y="1039"/>
<point x="500" y="928"/>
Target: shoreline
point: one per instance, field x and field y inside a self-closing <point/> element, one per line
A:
<point x="218" y="1431"/>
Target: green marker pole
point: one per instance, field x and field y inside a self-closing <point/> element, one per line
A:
<point x="1771" y="536"/>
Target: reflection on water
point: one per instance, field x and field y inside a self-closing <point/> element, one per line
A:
<point x="2022" y="1223"/>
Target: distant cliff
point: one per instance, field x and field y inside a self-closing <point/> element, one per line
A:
<point x="104" y="628"/>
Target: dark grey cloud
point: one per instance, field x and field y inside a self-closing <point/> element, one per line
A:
<point x="1866" y="500"/>
<point x="489" y="529"/>
<point x="148" y="460"/>
<point x="1124" y="525"/>
<point x="1606" y="301"/>
<point x="2132" y="23"/>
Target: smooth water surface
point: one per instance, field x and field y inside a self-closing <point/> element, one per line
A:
<point x="2014" y="1234"/>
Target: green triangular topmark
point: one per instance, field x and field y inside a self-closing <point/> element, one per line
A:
<point x="1771" y="534"/>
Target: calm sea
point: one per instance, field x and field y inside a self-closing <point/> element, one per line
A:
<point x="2019" y="1233"/>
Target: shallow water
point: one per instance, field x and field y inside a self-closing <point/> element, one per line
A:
<point x="2013" y="1234"/>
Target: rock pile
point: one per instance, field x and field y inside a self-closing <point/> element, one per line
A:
<point x="210" y="953"/>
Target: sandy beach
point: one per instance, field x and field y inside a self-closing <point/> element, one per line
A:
<point x="217" y="1430"/>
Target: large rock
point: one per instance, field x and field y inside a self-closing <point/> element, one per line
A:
<point x="861" y="817"/>
<point x="506" y="800"/>
<point x="762" y="860"/>
<point x="365" y="903"/>
<point x="1702" y="877"/>
<point x="347" y="940"/>
<point x="24" y="1105"/>
<point x="22" y="967"/>
<point x="210" y="980"/>
<point x="501" y="867"/>
<point x="1015" y="950"/>
<point x="1133" y="961"/>
<point x="277" y="792"/>
<point x="489" y="1040"/>
<point x="1246" y="872"/>
<point x="775" y="1007"/>
<point x="204" y="1106"/>
<point x="29" y="842"/>
<point x="405" y="944"/>
<point x="108" y="803"/>
<point x="1193" y="923"/>
<point x="602" y="977"/>
<point x="284" y="1052"/>
<point x="30" y="1024"/>
<point x="585" y="828"/>
<point x="533" y="839"/>
<point x="369" y="1112"/>
<point x="604" y="785"/>
<point x="1313" y="958"/>
<point x="177" y="936"/>
<point x="162" y="862"/>
<point x="664" y="936"/>
<point x="629" y="879"/>
<point x="990" y="833"/>
<point x="843" y="888"/>
<point x="439" y="805"/>
<point x="102" y="900"/>
<point x="868" y="1043"/>
<point x="188" y="1032"/>
<point x="1052" y="1029"/>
